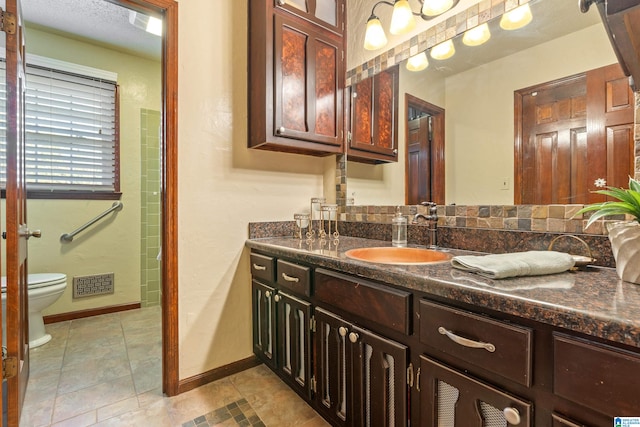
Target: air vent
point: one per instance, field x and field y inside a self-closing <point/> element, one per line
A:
<point x="96" y="284"/>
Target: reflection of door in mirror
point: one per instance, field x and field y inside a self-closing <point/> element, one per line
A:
<point x="572" y="133"/>
<point x="424" y="173"/>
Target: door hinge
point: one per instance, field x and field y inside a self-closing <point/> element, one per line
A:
<point x="410" y="375"/>
<point x="349" y="136"/>
<point x="7" y="22"/>
<point x="9" y="365"/>
<point x="312" y="384"/>
<point x="312" y="323"/>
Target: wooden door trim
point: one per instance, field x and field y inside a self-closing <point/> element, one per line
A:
<point x="168" y="9"/>
<point x="437" y="148"/>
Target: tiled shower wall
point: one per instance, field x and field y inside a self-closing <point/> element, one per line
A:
<point x="150" y="207"/>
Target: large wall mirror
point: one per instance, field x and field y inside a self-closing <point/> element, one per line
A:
<point x="476" y="90"/>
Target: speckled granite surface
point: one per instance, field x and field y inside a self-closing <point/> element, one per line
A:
<point x="593" y="302"/>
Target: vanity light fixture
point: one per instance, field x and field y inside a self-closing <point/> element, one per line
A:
<point x="418" y="62"/>
<point x="516" y="18"/>
<point x="444" y="50"/>
<point x="477" y="35"/>
<point x="402" y="19"/>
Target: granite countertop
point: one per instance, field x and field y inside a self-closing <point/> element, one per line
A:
<point x="594" y="302"/>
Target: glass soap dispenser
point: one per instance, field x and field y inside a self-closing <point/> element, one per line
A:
<point x="399" y="229"/>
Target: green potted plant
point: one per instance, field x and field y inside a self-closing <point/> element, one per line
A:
<point x="623" y="235"/>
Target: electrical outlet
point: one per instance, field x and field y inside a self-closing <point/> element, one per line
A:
<point x="504" y="183"/>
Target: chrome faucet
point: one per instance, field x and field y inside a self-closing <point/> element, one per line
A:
<point x="432" y="219"/>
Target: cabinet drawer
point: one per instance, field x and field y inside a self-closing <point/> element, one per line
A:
<point x="597" y="376"/>
<point x="296" y="278"/>
<point x="385" y="306"/>
<point x="498" y="347"/>
<point x="263" y="267"/>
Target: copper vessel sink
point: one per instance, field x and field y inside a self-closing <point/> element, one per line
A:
<point x="396" y="255"/>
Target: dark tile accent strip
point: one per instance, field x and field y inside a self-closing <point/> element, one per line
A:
<point x="241" y="412"/>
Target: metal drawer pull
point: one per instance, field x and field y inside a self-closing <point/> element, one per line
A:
<point x="259" y="267"/>
<point x="511" y="415"/>
<point x="467" y="342"/>
<point x="290" y="278"/>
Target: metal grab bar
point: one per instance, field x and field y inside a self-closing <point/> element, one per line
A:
<point x="68" y="237"/>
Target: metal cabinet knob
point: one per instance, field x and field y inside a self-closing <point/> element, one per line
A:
<point x="353" y="337"/>
<point x="281" y="2"/>
<point x="342" y="331"/>
<point x="277" y="298"/>
<point x="267" y="294"/>
<point x="281" y="130"/>
<point x="511" y="415"/>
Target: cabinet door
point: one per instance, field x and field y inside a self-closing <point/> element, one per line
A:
<point x="264" y="323"/>
<point x="333" y="367"/>
<point x="374" y="117"/>
<point x="307" y="83"/>
<point x="327" y="13"/>
<point x="450" y="398"/>
<point x="294" y="347"/>
<point x="379" y="380"/>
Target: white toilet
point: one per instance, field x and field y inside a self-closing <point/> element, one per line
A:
<point x="43" y="290"/>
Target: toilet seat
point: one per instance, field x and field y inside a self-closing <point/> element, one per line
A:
<point x="40" y="280"/>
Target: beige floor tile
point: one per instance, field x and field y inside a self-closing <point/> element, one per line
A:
<point x="91" y="398"/>
<point x="42" y="386"/>
<point x="147" y="374"/>
<point x="202" y="400"/>
<point x="92" y="371"/>
<point x="118" y="408"/>
<point x="38" y="413"/>
<point x="82" y="420"/>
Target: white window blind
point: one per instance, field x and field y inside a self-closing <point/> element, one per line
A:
<point x="71" y="138"/>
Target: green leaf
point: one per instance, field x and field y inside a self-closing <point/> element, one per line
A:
<point x="634" y="185"/>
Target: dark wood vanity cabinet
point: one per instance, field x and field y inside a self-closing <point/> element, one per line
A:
<point x="281" y="328"/>
<point x="296" y="76"/>
<point x="365" y="353"/>
<point x="361" y="377"/>
<point x="373" y="123"/>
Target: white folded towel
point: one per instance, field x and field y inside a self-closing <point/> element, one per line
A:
<point x="500" y="266"/>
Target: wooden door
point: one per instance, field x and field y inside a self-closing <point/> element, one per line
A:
<point x="333" y="368"/>
<point x="17" y="233"/>
<point x="418" y="161"/>
<point x="424" y="171"/>
<point x="294" y="341"/>
<point x="572" y="132"/>
<point x="379" y="380"/>
<point x="264" y="323"/>
<point x="451" y="398"/>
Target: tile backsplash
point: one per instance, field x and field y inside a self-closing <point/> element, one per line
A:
<point x="540" y="218"/>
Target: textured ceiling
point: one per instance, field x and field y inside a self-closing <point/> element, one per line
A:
<point x="98" y="21"/>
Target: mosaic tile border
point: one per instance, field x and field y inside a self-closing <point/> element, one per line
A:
<point x="455" y="25"/>
<point x="239" y="411"/>
<point x="541" y="218"/>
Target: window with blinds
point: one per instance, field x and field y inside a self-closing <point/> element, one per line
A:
<point x="72" y="145"/>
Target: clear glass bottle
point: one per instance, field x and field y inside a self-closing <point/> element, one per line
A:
<point x="399" y="229"/>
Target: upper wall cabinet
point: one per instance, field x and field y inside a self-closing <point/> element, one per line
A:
<point x="373" y="125"/>
<point x="621" y="19"/>
<point x="296" y="76"/>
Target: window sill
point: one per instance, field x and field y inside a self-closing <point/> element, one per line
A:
<point x="69" y="195"/>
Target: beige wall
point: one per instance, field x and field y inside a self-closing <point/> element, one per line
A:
<point x="479" y="119"/>
<point x="223" y="185"/>
<point x="112" y="245"/>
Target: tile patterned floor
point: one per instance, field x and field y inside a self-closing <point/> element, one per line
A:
<point x="106" y="371"/>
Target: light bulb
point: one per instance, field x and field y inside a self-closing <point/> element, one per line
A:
<point x="436" y="7"/>
<point x="374" y="37"/>
<point x="443" y="50"/>
<point x="417" y="62"/>
<point x="402" y="20"/>
<point x="516" y="18"/>
<point x="476" y="36"/>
